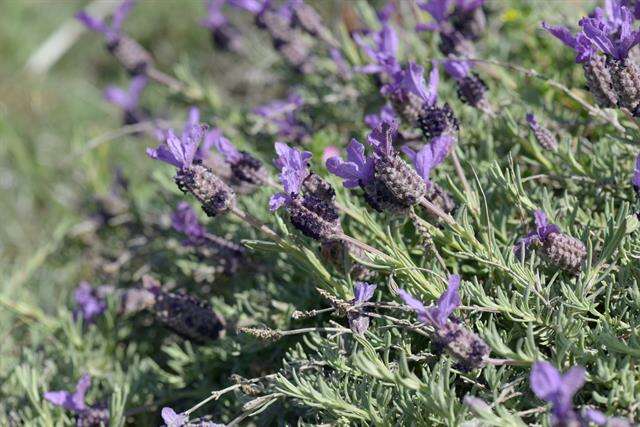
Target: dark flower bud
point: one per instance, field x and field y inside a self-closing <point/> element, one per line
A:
<point x="314" y="217"/>
<point x="403" y="183"/>
<point x="380" y="198"/>
<point x="318" y="187"/>
<point x="599" y="81"/>
<point x="470" y="24"/>
<point x="625" y="77"/>
<point x="214" y="195"/>
<point x="467" y="348"/>
<point x="248" y="169"/>
<point x="226" y="37"/>
<point x="454" y="43"/>
<point x="133" y="57"/>
<point x="564" y="252"/>
<point x="188" y="316"/>
<point x="435" y="121"/>
<point x="471" y="90"/>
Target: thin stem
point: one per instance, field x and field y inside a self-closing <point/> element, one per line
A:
<point x="460" y="172"/>
<point x="165" y="79"/>
<point x="215" y="395"/>
<point x="307" y="330"/>
<point x="257" y="224"/>
<point x="437" y="212"/>
<point x="362" y="245"/>
<point x="510" y="362"/>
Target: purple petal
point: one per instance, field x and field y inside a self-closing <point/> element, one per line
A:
<point x="388" y="43"/>
<point x="92" y="23"/>
<point x="215" y="17"/>
<point x="636" y="173"/>
<point x="457" y="69"/>
<point x="363" y="292"/>
<point x="348" y="171"/>
<point x="88" y="303"/>
<point x="185" y="220"/>
<point x="381" y="138"/>
<point x="277" y="200"/>
<point x="415" y="304"/>
<point x="385" y="13"/>
<point x="358" y="323"/>
<point x="561" y="33"/>
<point x="595" y="416"/>
<point x="438" y="9"/>
<point x="223" y="145"/>
<point x="531" y="119"/>
<point x="71" y="401"/>
<point x="171" y="419"/>
<point x="448" y="301"/>
<point x="121" y="14"/>
<point x="573" y="380"/>
<point x="252" y="6"/>
<point x="413" y="81"/>
<point x="193" y="119"/>
<point x="432" y="87"/>
<point x="119" y="97"/>
<point x="545" y="381"/>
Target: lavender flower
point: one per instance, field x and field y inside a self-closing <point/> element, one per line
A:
<point x="357" y="170"/>
<point x="172" y="419"/>
<point x="179" y="152"/>
<point x="254" y="7"/>
<point x="544" y="137"/>
<point x="127" y="100"/>
<point x="133" y="57"/>
<point x="244" y="167"/>
<point x="465" y="346"/>
<point x="359" y="321"/>
<point x="185" y="220"/>
<point x="75" y="401"/>
<point x="110" y="32"/>
<point x="583" y="47"/>
<point x="471" y="88"/>
<point x="436" y="316"/>
<point x="386" y="114"/>
<point x="613" y="34"/>
<point x="293" y="167"/>
<point x="382" y="48"/>
<point x="559" y="249"/>
<point x="635" y="181"/>
<point x="89" y="304"/>
<point x="282" y="115"/>
<point x="409" y="94"/>
<point x="455" y="21"/>
<point x="558" y="389"/>
<point x="224" y="35"/>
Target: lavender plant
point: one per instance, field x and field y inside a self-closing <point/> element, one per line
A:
<point x="401" y="284"/>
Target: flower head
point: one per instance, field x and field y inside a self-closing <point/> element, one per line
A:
<point x="89" y="304"/>
<point x="583" y="47"/>
<point x="128" y="99"/>
<point x="548" y="384"/>
<point x="382" y="48"/>
<point x="71" y="401"/>
<point x="430" y="155"/>
<point x="180" y="151"/>
<point x="172" y="419"/>
<point x="410" y="82"/>
<point x="436" y="316"/>
<point x="293" y="167"/>
<point x="543" y="230"/>
<point x="110" y="32"/>
<point x="357" y="170"/>
<point x="185" y="220"/>
<point x="215" y="138"/>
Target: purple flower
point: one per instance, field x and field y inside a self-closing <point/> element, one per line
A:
<point x="558" y="389"/>
<point x="89" y="304"/>
<point x="430" y="155"/>
<point x="282" y="114"/>
<point x="381" y="138"/>
<point x="171" y="419"/>
<point x="278" y="108"/>
<point x="436" y="316"/>
<point x="636" y="175"/>
<point x="180" y="152"/>
<point x="615" y="44"/>
<point x="254" y="7"/>
<point x="457" y="69"/>
<point x="386" y="12"/>
<point x="359" y="321"/>
<point x="128" y="99"/>
<point x="111" y="32"/>
<point x="439" y="11"/>
<point x="410" y="82"/>
<point x="357" y="170"/>
<point x="543" y="230"/>
<point x="583" y="47"/>
<point x="214" y="138"/>
<point x="293" y="167"/>
<point x="215" y="18"/>
<point x="386" y="114"/>
<point x="185" y="220"/>
<point x="71" y="401"/>
<point x="382" y="49"/>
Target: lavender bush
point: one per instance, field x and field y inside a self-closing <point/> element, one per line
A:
<point x="474" y="261"/>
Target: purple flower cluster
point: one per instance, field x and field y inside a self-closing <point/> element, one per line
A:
<point x="90" y="302"/>
<point x="382" y="49"/>
<point x="127" y="100"/>
<point x="542" y="232"/>
<point x="282" y="114"/>
<point x="76" y="402"/>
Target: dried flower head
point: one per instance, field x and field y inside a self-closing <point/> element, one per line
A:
<point x="544" y="137"/>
